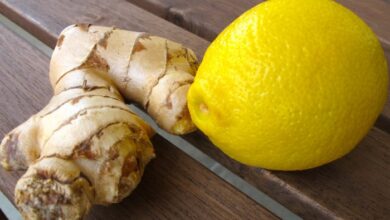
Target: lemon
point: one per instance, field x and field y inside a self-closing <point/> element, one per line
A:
<point x="290" y="85"/>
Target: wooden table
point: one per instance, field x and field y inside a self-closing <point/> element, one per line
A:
<point x="176" y="185"/>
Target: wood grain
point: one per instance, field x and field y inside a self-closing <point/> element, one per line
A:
<point x="324" y="193"/>
<point x="354" y="187"/>
<point x="174" y="185"/>
<point x="59" y="14"/>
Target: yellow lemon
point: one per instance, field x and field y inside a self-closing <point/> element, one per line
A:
<point x="290" y="85"/>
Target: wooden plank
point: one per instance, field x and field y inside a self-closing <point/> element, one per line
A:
<point x="326" y="192"/>
<point x="207" y="18"/>
<point x="174" y="185"/>
<point x="108" y="13"/>
<point x="354" y="187"/>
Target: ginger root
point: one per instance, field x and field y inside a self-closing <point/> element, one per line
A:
<point x="86" y="146"/>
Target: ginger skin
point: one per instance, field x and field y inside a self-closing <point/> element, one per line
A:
<point x="86" y="146"/>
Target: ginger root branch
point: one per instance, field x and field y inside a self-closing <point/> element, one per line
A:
<point x="86" y="146"/>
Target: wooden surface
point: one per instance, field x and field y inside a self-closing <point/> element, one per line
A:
<point x="174" y="185"/>
<point x="58" y="14"/>
<point x="354" y="187"/>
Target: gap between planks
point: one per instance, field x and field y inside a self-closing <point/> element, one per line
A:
<point x="179" y="142"/>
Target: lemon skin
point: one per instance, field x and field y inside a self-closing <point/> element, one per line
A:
<point x="290" y="85"/>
